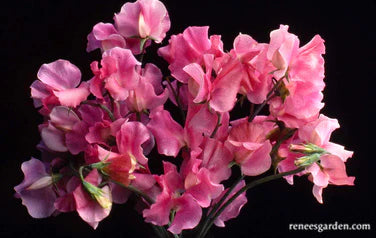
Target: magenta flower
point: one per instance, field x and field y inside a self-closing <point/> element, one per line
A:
<point x="143" y="19"/>
<point x="64" y="131"/>
<point x="57" y="85"/>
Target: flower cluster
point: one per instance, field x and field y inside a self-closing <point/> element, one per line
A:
<point x="98" y="135"/>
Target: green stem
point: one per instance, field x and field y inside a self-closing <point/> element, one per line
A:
<point x="269" y="96"/>
<point x="106" y="109"/>
<point x="177" y="99"/>
<point x="217" y="126"/>
<point x="136" y="191"/>
<point x="244" y="189"/>
<point x="218" y="204"/>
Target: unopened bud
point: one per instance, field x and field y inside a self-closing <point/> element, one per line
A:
<point x="104" y="200"/>
<point x="307" y="148"/>
<point x="307" y="160"/>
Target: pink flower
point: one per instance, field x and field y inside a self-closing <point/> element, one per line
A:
<point x="64" y="131"/>
<point x="130" y="138"/>
<point x="305" y="70"/>
<point x="189" y="47"/>
<point x="220" y="92"/>
<point x="215" y="158"/>
<point x="332" y="170"/>
<point x="144" y="19"/>
<point x="167" y="132"/>
<point x="118" y="74"/>
<point x="104" y="36"/>
<point x="187" y="211"/>
<point x="326" y="168"/>
<point x="62" y="121"/>
<point x="149" y="93"/>
<point x="255" y="78"/>
<point x="57" y="85"/>
<point x="36" y="189"/>
<point x="250" y="146"/>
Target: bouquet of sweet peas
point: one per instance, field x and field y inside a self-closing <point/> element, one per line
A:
<point x="99" y="136"/>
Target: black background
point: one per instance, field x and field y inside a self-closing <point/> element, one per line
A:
<point x="37" y="32"/>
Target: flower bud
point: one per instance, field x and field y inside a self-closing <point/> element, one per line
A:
<point x="307" y="160"/>
<point x="307" y="148"/>
<point x="104" y="200"/>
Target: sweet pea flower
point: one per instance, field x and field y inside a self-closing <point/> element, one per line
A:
<point x="255" y="78"/>
<point x="118" y="74"/>
<point x="332" y="168"/>
<point x="36" y="190"/>
<point x="146" y="19"/>
<point x="64" y="131"/>
<point x="171" y="136"/>
<point x="187" y="211"/>
<point x="215" y="157"/>
<point x="304" y="68"/>
<point x="327" y="165"/>
<point x="149" y="93"/>
<point x="220" y="92"/>
<point x="57" y="85"/>
<point x="130" y="138"/>
<point x="249" y="143"/>
<point x="120" y="168"/>
<point x="168" y="133"/>
<point x="189" y="47"/>
<point x="104" y="36"/>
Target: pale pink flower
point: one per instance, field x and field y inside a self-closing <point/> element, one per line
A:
<point x="249" y="143"/>
<point x="189" y="47"/>
<point x="118" y="74"/>
<point x="255" y="78"/>
<point x="220" y="92"/>
<point x="143" y="19"/>
<point x="329" y="167"/>
<point x="304" y="67"/>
